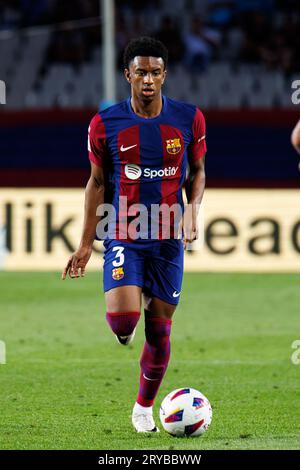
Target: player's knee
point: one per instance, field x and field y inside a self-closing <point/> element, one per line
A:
<point x="122" y="323"/>
<point x="157" y="331"/>
<point x="155" y="357"/>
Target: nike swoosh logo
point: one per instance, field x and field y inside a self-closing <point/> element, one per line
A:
<point x="176" y="294"/>
<point x="123" y="149"/>
<point x="199" y="140"/>
<point x="152" y="380"/>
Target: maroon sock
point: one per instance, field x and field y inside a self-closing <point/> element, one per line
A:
<point x="154" y="359"/>
<point x="122" y="324"/>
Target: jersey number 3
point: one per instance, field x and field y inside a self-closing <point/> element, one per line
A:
<point x="119" y="258"/>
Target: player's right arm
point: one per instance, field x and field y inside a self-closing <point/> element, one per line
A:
<point x="94" y="196"/>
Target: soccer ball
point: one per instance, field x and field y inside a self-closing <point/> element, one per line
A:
<point x="185" y="412"/>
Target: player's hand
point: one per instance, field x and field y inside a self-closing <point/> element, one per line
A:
<point x="190" y="225"/>
<point x="77" y="263"/>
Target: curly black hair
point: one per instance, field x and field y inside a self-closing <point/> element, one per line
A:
<point x="146" y="47"/>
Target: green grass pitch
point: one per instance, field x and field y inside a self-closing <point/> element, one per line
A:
<point x="67" y="384"/>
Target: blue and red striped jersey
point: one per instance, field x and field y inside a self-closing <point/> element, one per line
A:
<point x="146" y="160"/>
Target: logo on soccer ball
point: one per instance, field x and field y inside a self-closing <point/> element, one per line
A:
<point x="132" y="171"/>
<point x="174" y="416"/>
<point x="118" y="273"/>
<point x="198" y="403"/>
<point x="173" y="146"/>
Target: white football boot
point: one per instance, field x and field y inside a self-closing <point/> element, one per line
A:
<point x="142" y="419"/>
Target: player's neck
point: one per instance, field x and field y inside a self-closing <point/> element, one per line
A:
<point x="147" y="109"/>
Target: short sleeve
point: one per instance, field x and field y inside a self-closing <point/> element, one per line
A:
<point x="197" y="147"/>
<point x="97" y="141"/>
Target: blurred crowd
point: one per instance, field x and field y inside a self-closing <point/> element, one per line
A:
<point x="250" y="31"/>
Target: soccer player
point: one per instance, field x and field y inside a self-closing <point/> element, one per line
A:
<point x="142" y="148"/>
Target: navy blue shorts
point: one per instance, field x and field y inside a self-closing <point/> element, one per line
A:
<point x="155" y="266"/>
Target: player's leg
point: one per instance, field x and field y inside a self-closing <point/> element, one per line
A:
<point x="123" y="306"/>
<point x="157" y="307"/>
<point x="164" y="278"/>
<point x="122" y="280"/>
<point x="154" y="360"/>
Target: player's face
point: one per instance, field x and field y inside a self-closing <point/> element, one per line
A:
<point x="146" y="76"/>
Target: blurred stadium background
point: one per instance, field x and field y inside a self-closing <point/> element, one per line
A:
<point x="237" y="60"/>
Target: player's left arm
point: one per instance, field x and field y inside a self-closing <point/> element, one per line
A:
<point x="195" y="183"/>
<point x="295" y="138"/>
<point x="194" y="192"/>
